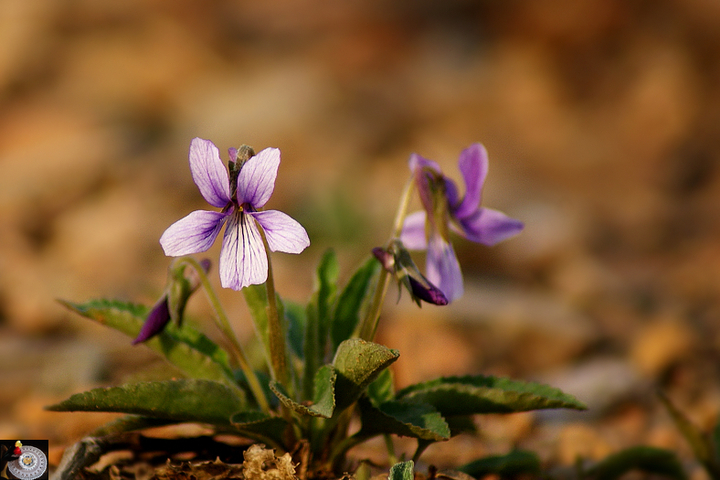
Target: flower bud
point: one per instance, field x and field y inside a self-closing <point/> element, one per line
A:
<point x="397" y="260"/>
<point x="238" y="157"/>
<point x="171" y="305"/>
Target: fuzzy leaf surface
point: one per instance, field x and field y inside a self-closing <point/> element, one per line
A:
<point x="358" y="363"/>
<point x="187" y="349"/>
<point x="260" y="425"/>
<point x="487" y="394"/>
<point x="192" y="400"/>
<point x="402" y="471"/>
<point x="403" y="418"/>
<point x="323" y="403"/>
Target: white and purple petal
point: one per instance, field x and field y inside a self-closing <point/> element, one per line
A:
<point x="413" y="234"/>
<point x="283" y="233"/>
<point x="443" y="268"/>
<point x="209" y="173"/>
<point x="256" y="180"/>
<point x="194" y="233"/>
<point x="243" y="260"/>
<point x="488" y="226"/>
<point x="473" y="165"/>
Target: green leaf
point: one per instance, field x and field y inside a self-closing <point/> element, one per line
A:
<point x="486" y="394"/>
<point x="318" y="317"/>
<point x="402" y="471"/>
<point x="193" y="400"/>
<point x="404" y="418"/>
<point x="257" y="302"/>
<point x="325" y="291"/>
<point x="358" y="363"/>
<point x="323" y="403"/>
<point x="511" y="465"/>
<point x="256" y="299"/>
<point x="351" y="301"/>
<point x="646" y="459"/>
<point x="187" y="349"/>
<point x="296" y="320"/>
<point x="701" y="445"/>
<point x="715" y="442"/>
<point x="260" y="425"/>
<point x="461" y="424"/>
<point x="382" y="389"/>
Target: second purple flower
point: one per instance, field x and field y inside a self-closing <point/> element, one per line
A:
<point x="243" y="260"/>
<point x="444" y="210"/>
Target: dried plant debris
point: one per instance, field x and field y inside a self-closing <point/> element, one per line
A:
<point x="215" y="470"/>
<point x="262" y="464"/>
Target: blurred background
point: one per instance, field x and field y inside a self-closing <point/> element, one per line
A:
<point x="602" y="122"/>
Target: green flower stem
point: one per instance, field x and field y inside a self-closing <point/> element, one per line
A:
<point x="370" y="323"/>
<point x="339" y="449"/>
<point x="392" y="457"/>
<point x="223" y="324"/>
<point x="422" y="445"/>
<point x="276" y="338"/>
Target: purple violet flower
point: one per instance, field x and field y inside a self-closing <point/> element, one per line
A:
<point x="243" y="260"/>
<point x="444" y="210"/>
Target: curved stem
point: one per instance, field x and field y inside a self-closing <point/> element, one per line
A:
<point x="370" y="323"/>
<point x="340" y="449"/>
<point x="392" y="457"/>
<point x="276" y="338"/>
<point x="422" y="445"/>
<point x="221" y="320"/>
<point x="402" y="207"/>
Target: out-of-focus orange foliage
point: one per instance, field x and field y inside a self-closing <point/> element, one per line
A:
<point x="601" y="118"/>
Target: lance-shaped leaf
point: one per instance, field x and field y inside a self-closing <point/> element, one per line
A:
<point x="651" y="460"/>
<point x="702" y="445"/>
<point x="487" y="394"/>
<point x="323" y="403"/>
<point x="296" y="320"/>
<point x="318" y="313"/>
<point x="511" y="465"/>
<point x="202" y="401"/>
<point x="358" y="363"/>
<point x="350" y="302"/>
<point x="187" y="349"/>
<point x="261" y="426"/>
<point x="257" y="301"/>
<point x="404" y="418"/>
<point x="324" y="296"/>
<point x="402" y="471"/>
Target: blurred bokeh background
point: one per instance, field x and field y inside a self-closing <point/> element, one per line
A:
<point x="601" y="118"/>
